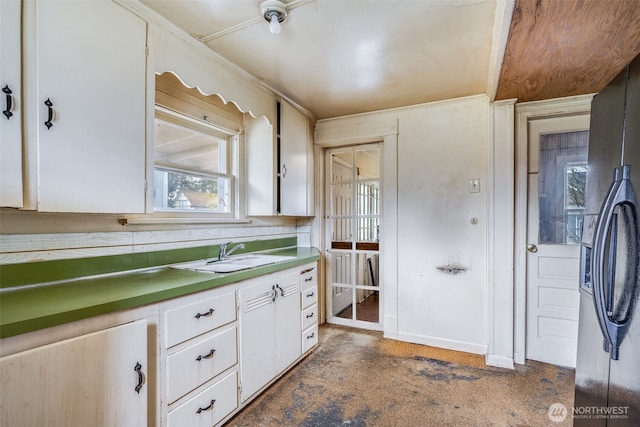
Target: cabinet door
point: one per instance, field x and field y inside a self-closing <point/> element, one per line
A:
<point x="294" y="156"/>
<point x="10" y="103"/>
<point x="257" y="337"/>
<point x="85" y="381"/>
<point x="261" y="167"/>
<point x="288" y="324"/>
<point x="90" y="64"/>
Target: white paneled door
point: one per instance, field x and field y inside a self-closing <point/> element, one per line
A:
<point x="556" y="180"/>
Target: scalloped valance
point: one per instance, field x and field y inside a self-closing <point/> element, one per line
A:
<point x="198" y="66"/>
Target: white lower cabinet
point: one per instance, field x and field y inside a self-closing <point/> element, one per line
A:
<point x="269" y="329"/>
<point x="97" y="379"/>
<point x="310" y="315"/>
<point x="278" y="325"/>
<point x="200" y="357"/>
<point x="208" y="354"/>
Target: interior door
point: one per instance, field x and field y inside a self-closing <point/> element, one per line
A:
<point x="353" y="222"/>
<point x="557" y="175"/>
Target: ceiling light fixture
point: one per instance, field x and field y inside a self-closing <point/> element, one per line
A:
<point x="274" y="12"/>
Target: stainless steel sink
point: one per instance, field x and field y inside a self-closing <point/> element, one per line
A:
<point x="232" y="264"/>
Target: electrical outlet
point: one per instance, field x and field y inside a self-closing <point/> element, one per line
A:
<point x="474" y="185"/>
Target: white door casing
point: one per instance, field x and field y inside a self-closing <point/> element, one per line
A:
<point x="552" y="266"/>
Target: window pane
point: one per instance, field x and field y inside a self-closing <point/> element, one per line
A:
<point x="340" y="233"/>
<point x="562" y="177"/>
<point x="183" y="190"/>
<point x="367" y="267"/>
<point x="367" y="164"/>
<point x="185" y="148"/>
<point x="341" y="199"/>
<point x="341" y="166"/>
<point x="341" y="268"/>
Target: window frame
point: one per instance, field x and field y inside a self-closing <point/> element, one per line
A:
<point x="233" y="162"/>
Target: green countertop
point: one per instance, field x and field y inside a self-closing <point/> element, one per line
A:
<point x="37" y="307"/>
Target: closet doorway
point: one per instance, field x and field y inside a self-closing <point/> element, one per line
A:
<point x="353" y="221"/>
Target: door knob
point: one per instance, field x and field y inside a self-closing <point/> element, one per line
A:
<point x="532" y="248"/>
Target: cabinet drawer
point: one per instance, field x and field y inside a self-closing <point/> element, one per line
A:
<point x="309" y="317"/>
<point x="198" y="363"/>
<point x="309" y="338"/>
<point x="209" y="407"/>
<point x="192" y="320"/>
<point x="309" y="296"/>
<point x="309" y="279"/>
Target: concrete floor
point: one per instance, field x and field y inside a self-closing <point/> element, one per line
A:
<point x="358" y="378"/>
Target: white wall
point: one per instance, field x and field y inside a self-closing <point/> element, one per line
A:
<point x="440" y="148"/>
<point x="431" y="152"/>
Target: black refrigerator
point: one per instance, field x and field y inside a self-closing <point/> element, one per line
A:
<point x="607" y="391"/>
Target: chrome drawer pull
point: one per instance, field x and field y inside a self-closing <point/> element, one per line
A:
<point x="207" y="314"/>
<point x="207" y="408"/>
<point x="206" y="356"/>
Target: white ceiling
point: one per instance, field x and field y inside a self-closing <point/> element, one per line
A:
<point x="340" y="57"/>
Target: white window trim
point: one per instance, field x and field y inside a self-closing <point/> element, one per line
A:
<point x="236" y="170"/>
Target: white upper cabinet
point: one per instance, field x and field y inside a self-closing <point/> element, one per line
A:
<point x="296" y="169"/>
<point x="11" y="105"/>
<point x="284" y="188"/>
<point x="88" y="106"/>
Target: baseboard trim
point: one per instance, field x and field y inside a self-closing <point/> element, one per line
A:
<point x="500" y="361"/>
<point x="443" y="343"/>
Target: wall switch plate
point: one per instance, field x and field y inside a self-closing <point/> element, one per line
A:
<point x="474" y="185"/>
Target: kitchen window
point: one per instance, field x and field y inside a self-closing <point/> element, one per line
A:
<point x="194" y="161"/>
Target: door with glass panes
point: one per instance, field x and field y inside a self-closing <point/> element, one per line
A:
<point x="353" y="221"/>
<point x="557" y="174"/>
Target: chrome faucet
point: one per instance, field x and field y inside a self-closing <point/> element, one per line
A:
<point x="225" y="253"/>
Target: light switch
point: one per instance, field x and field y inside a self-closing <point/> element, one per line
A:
<point x="474" y="185"/>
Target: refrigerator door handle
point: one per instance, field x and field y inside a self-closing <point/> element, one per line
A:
<point x="622" y="194"/>
<point x="598" y="255"/>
